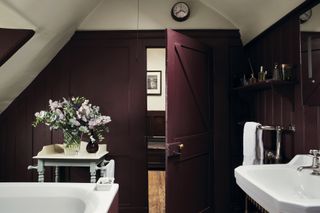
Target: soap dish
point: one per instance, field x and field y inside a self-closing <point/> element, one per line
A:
<point x="104" y="184"/>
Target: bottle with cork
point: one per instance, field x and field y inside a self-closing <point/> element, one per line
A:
<point x="262" y="74"/>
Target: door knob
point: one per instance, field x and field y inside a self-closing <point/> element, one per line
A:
<point x="178" y="151"/>
<point x="181" y="146"/>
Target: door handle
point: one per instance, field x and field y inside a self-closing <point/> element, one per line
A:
<point x="179" y="152"/>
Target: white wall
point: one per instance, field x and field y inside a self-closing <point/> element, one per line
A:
<point x="54" y="23"/>
<point x="252" y="17"/>
<point x="156" y="60"/>
<point x="153" y="14"/>
<point x="313" y="24"/>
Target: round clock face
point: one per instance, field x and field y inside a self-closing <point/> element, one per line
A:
<point x="180" y="11"/>
<point x="305" y="16"/>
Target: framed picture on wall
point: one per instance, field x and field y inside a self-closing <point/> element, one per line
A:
<point x="154" y="82"/>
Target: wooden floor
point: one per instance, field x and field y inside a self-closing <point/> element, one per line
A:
<point x="156" y="191"/>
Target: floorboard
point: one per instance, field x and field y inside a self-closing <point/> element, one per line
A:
<point x="156" y="191"/>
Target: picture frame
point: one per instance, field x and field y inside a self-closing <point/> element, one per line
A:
<point x="154" y="82"/>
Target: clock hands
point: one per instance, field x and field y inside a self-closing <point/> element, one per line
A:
<point x="180" y="13"/>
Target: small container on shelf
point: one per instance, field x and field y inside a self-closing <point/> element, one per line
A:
<point x="244" y="81"/>
<point x="262" y="74"/>
<point x="286" y="70"/>
<point x="276" y="73"/>
<point x="252" y="79"/>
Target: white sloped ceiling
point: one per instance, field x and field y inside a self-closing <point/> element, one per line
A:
<point x="313" y="24"/>
<point x="252" y="16"/>
<point x="55" y="21"/>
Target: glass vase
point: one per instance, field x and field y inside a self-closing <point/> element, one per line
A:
<point x="71" y="143"/>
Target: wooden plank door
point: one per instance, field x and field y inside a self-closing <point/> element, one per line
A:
<point x="188" y="129"/>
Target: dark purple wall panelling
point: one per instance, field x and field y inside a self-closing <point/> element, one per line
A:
<point x="108" y="73"/>
<point x="278" y="106"/>
<point x="11" y="40"/>
<point x="284" y="106"/>
<point x="156" y="122"/>
<point x="226" y="48"/>
<point x="310" y="86"/>
<point x="108" y="67"/>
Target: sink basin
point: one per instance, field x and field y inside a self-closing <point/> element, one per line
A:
<point x="280" y="187"/>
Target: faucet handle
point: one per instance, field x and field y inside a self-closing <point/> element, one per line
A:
<point x="314" y="152"/>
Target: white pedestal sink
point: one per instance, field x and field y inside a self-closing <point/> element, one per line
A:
<point x="280" y="187"/>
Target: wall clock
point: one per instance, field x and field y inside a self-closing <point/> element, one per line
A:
<point x="305" y="16"/>
<point x="180" y="11"/>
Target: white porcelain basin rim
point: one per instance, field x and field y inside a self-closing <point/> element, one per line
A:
<point x="281" y="188"/>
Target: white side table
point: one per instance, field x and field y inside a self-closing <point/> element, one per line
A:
<point x="52" y="155"/>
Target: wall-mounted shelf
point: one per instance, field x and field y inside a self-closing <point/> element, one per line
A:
<point x="268" y="84"/>
<point x="283" y="88"/>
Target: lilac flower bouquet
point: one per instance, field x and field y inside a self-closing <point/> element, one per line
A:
<point x="76" y="118"/>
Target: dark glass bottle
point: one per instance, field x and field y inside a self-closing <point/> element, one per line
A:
<point x="92" y="147"/>
<point x="276" y="73"/>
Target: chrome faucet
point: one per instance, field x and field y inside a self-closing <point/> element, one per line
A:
<point x="275" y="155"/>
<point x="315" y="166"/>
<point x="278" y="144"/>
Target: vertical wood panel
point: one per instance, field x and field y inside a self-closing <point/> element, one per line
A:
<point x="9" y="147"/>
<point x="65" y="76"/>
<point x="269" y="110"/>
<point x="288" y="140"/>
<point x="281" y="44"/>
<point x="318" y="127"/>
<point x="3" y="141"/>
<point x="30" y="100"/>
<point x="282" y="105"/>
<point x="298" y="121"/>
<point x="107" y="72"/>
<point x="310" y="128"/>
<point x="114" y="79"/>
<point x="224" y="185"/>
<point x="23" y="151"/>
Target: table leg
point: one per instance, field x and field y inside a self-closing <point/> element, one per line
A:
<point x="92" y="173"/>
<point x="40" y="171"/>
<point x="56" y="174"/>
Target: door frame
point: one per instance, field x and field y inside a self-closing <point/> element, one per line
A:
<point x="158" y="40"/>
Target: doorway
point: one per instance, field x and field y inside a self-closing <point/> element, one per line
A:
<point x="186" y="136"/>
<point x="156" y="104"/>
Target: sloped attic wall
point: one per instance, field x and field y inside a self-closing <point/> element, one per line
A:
<point x="153" y="14"/>
<point x="250" y="17"/>
<point x="54" y="22"/>
<point x="312" y="25"/>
